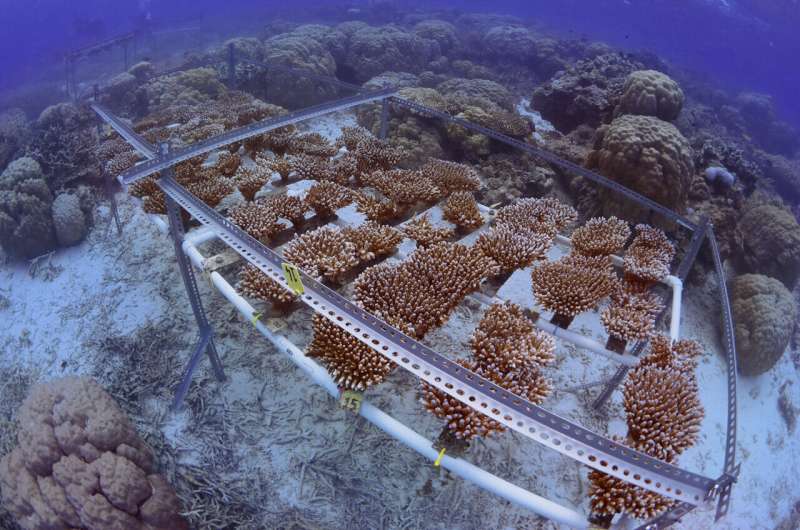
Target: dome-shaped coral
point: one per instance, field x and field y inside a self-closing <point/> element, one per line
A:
<point x="26" y="226"/>
<point x="651" y="93"/>
<point x="764" y="315"/>
<point x="68" y="219"/>
<point x="647" y="155"/>
<point x="373" y="50"/>
<point x="771" y="241"/>
<point x="440" y="31"/>
<point x="80" y="464"/>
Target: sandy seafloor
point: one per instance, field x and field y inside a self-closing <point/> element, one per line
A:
<point x="268" y="449"/>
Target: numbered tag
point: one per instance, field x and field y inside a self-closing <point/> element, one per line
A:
<point x="255" y="318"/>
<point x="351" y="400"/>
<point x="292" y="275"/>
<point x="438" y="461"/>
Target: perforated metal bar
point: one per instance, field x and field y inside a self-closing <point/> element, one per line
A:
<point x="731" y="469"/>
<point x="515" y="413"/>
<point x="147" y="150"/>
<point x="681" y="272"/>
<point x="236" y="135"/>
<point x="552" y="158"/>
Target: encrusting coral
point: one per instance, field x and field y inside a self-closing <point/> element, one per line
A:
<point x="461" y="209"/>
<point x="324" y="252"/>
<point x="79" y="464"/>
<point x="327" y="197"/>
<point x="664" y="414"/>
<point x="572" y="285"/>
<point x="424" y="233"/>
<point x="600" y="237"/>
<point x="513" y="249"/>
<point x="649" y="256"/>
<point x="254" y="283"/>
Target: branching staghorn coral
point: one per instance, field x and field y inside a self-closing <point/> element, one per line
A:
<point x="572" y="285"/>
<point x="211" y="191"/>
<point x="228" y="163"/>
<point x="461" y="209"/>
<point x="144" y="187"/>
<point x="421" y="292"/>
<point x="279" y="164"/>
<point x="257" y="219"/>
<point x="664" y="414"/>
<point x="352" y="136"/>
<point x="250" y="180"/>
<point x="451" y="177"/>
<point x="375" y="209"/>
<point x="255" y="284"/>
<point x="343" y="168"/>
<point x="324" y="252"/>
<point x="280" y="140"/>
<point x="308" y="167"/>
<point x="513" y="249"/>
<point x="121" y="162"/>
<point x="352" y="364"/>
<point x="650" y="255"/>
<point x="546" y="215"/>
<point x="373" y="240"/>
<point x="155" y="203"/>
<point x="424" y="233"/>
<point x="327" y="197"/>
<point x="600" y="236"/>
<point x="313" y="144"/>
<point x="287" y="207"/>
<point x="403" y="186"/>
<point x="630" y="316"/>
<point x="373" y="154"/>
<point x="81" y="465"/>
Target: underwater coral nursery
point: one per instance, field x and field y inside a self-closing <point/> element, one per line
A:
<point x="397" y="303"/>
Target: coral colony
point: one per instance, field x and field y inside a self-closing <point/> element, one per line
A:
<point x="416" y="207"/>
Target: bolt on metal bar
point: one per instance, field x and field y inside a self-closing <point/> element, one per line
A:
<point x="503" y="406"/>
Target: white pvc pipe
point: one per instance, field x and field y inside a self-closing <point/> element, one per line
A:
<point x="677" y="302"/>
<point x="502" y="488"/>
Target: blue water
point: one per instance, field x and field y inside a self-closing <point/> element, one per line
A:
<point x="744" y="45"/>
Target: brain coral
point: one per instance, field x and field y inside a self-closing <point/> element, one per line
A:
<point x="651" y="93"/>
<point x="764" y="316"/>
<point x="80" y="465"/>
<point x="373" y="50"/>
<point x="26" y="226"/>
<point x="585" y="93"/>
<point x="647" y="155"/>
<point x="771" y="241"/>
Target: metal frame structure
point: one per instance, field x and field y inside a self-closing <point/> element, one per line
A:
<point x="570" y="439"/>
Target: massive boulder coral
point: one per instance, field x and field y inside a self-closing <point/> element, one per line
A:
<point x="80" y="465"/>
<point x="26" y="225"/>
<point x="764" y="315"/>
<point x="444" y="33"/>
<point x="68" y="219"/>
<point x="585" y="93"/>
<point x="192" y="87"/>
<point x="373" y="50"/>
<point x="770" y="238"/>
<point x="14" y="131"/>
<point x="647" y="155"/>
<point x="651" y="93"/>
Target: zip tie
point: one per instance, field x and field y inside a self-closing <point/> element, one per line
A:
<point x="256" y="317"/>
<point x="439" y="458"/>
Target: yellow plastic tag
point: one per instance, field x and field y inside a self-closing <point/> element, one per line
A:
<point x="292" y="275"/>
<point x="255" y="318"/>
<point x="439" y="458"/>
<point x="351" y="400"/>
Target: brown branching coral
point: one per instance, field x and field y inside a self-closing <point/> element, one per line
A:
<point x="287" y="207"/>
<point x="211" y="191"/>
<point x="144" y="187"/>
<point x="343" y="168"/>
<point x="250" y="180"/>
<point x="313" y="144"/>
<point x="631" y="316"/>
<point x="352" y="364"/>
<point x="375" y="209"/>
<point x="420" y="293"/>
<point x="650" y="255"/>
<point x="403" y="186"/>
<point x="352" y="136"/>
<point x="664" y="414"/>
<point x="257" y="219"/>
<point x="461" y="209"/>
<point x="513" y="249"/>
<point x="80" y="464"/>
<point x="327" y="197"/>
<point x="424" y="233"/>
<point x="572" y="285"/>
<point x="255" y="284"/>
<point x="451" y="177"/>
<point x="463" y="421"/>
<point x="228" y="163"/>
<point x="307" y="167"/>
<point x="279" y="140"/>
<point x="373" y="240"/>
<point x="121" y="162"/>
<point x="546" y="215"/>
<point x="373" y="154"/>
<point x="280" y="165"/>
<point x="155" y="203"/>
<point x="600" y="236"/>
<point x="324" y="252"/>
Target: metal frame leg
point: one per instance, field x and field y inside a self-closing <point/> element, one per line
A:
<point x="112" y="199"/>
<point x="384" y="119"/>
<point x="206" y="342"/>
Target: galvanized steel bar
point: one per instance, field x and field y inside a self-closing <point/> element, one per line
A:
<point x="140" y="144"/>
